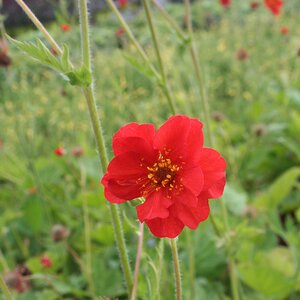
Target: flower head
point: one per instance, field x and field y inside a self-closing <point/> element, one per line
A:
<point x="16" y="281"/>
<point x="284" y="30"/>
<point x="254" y="5"/>
<point x="170" y="169"/>
<point x="5" y="60"/>
<point x="46" y="261"/>
<point x="60" y="151"/>
<point x="65" y="27"/>
<point x="242" y="54"/>
<point x="225" y="3"/>
<point x="119" y="32"/>
<point x="59" y="232"/>
<point x="123" y="3"/>
<point x="77" y="151"/>
<point x="274" y="6"/>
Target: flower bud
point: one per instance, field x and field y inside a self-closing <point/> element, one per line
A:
<point x="59" y="232"/>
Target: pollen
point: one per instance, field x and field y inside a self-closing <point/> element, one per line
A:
<point x="163" y="174"/>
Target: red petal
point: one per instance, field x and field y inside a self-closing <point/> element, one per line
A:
<point x="117" y="193"/>
<point x="214" y="170"/>
<point x="127" y="166"/>
<point x="192" y="216"/>
<point x="182" y="136"/>
<point x="192" y="179"/>
<point x="155" y="206"/>
<point x="186" y="197"/>
<point x="132" y="130"/>
<point x="169" y="227"/>
<point x="138" y="145"/>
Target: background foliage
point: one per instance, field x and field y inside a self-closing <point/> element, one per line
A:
<point x="256" y="123"/>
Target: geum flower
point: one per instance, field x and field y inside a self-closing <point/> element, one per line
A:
<point x="170" y="169"/>
<point x="225" y="3"/>
<point x="274" y="6"/>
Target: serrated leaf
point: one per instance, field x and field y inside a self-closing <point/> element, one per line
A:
<point x="42" y="54"/>
<point x="142" y="68"/>
<point x="80" y="77"/>
<point x="65" y="61"/>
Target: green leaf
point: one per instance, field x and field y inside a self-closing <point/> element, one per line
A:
<point x="39" y="52"/>
<point x="33" y="214"/>
<point x="265" y="280"/>
<point x="65" y="61"/>
<point x="141" y="67"/>
<point x="80" y="77"/>
<point x="278" y="190"/>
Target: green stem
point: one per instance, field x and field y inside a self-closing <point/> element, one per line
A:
<point x="131" y="37"/>
<point x="191" y="254"/>
<point x="205" y="107"/>
<point x="137" y="262"/>
<point x="233" y="279"/>
<point x="176" y="269"/>
<point x="196" y="64"/>
<point x="171" y="21"/>
<point x="87" y="235"/>
<point x="39" y="26"/>
<point x="5" y="289"/>
<point x="84" y="25"/>
<point x="97" y="129"/>
<point x="96" y="123"/>
<point x="164" y="82"/>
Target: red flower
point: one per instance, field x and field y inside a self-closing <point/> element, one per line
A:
<point x="60" y="151"/>
<point x="46" y="261"/>
<point x="119" y="32"/>
<point x="274" y="6"/>
<point x="254" y="5"/>
<point x="170" y="169"/>
<point x="123" y="3"/>
<point x="77" y="151"/>
<point x="242" y="54"/>
<point x="225" y="3"/>
<point x="65" y="27"/>
<point x="5" y="60"/>
<point x="284" y="30"/>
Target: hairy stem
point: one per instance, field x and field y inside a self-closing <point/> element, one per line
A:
<point x="90" y="98"/>
<point x="164" y="82"/>
<point x="176" y="264"/>
<point x="198" y="73"/>
<point x="233" y="280"/>
<point x="137" y="261"/>
<point x="172" y="22"/>
<point x="39" y="26"/>
<point x="5" y="289"/>
<point x="132" y="37"/>
<point x="96" y="124"/>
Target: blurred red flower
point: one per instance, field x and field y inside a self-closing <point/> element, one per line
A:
<point x="254" y="5"/>
<point x="274" y="6"/>
<point x="60" y="151"/>
<point x="119" y="32"/>
<point x="284" y="30"/>
<point x="14" y="280"/>
<point x="77" y="151"/>
<point x="123" y="3"/>
<point x="170" y="169"/>
<point x="46" y="261"/>
<point x="65" y="27"/>
<point x="225" y="3"/>
<point x="5" y="60"/>
<point x="242" y="54"/>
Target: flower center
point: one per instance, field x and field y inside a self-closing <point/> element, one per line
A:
<point x="163" y="173"/>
